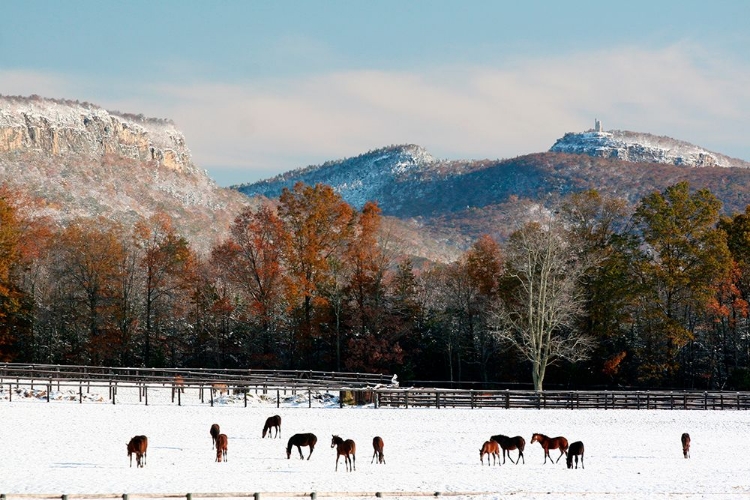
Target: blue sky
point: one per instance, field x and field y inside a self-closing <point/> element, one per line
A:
<point x="261" y="87"/>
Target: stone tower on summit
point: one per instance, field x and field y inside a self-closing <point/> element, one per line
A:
<point x="598" y="126"/>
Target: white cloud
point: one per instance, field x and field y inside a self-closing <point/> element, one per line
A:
<point x="458" y="112"/>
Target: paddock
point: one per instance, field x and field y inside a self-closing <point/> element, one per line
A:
<point x="62" y="456"/>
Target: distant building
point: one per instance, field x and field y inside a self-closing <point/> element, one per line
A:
<point x="598" y="125"/>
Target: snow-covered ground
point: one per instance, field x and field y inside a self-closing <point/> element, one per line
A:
<point x="67" y="447"/>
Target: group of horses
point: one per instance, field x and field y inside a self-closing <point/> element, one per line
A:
<point x="507" y="444"/>
<point x="492" y="448"/>
<point x="348" y="448"/>
<point x="344" y="447"/>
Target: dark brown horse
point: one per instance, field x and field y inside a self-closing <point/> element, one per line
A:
<point x="685" y="444"/>
<point x="139" y="446"/>
<point x="221" y="447"/>
<point x="490" y="448"/>
<point x="272" y="422"/>
<point x="551" y="444"/>
<point x="346" y="448"/>
<point x="214" y="431"/>
<point x="377" y="446"/>
<point x="299" y="440"/>
<point x="511" y="443"/>
<point x="574" y="450"/>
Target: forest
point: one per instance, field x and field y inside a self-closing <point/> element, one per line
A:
<point x="588" y="292"/>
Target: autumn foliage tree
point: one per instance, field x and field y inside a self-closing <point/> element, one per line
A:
<point x="319" y="223"/>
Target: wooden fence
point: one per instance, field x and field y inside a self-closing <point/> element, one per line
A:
<point x="255" y="495"/>
<point x="195" y="376"/>
<point x="573" y="400"/>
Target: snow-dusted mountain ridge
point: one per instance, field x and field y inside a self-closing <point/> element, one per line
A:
<point x="358" y="179"/>
<point x="80" y="160"/>
<point x="642" y="148"/>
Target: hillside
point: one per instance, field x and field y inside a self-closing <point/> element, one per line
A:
<point x="84" y="161"/>
<point x="457" y="201"/>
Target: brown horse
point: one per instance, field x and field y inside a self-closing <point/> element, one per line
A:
<point x="299" y="440"/>
<point x="214" y="431"/>
<point x="219" y="388"/>
<point x="490" y="448"/>
<point x="377" y="446"/>
<point x="179" y="384"/>
<point x="551" y="444"/>
<point x="138" y="445"/>
<point x="511" y="443"/>
<point x="221" y="447"/>
<point x="346" y="448"/>
<point x="685" y="444"/>
<point x="274" y="422"/>
<point x="574" y="450"/>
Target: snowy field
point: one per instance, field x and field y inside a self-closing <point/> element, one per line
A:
<point x="67" y="447"/>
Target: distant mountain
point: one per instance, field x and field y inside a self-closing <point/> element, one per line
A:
<point x="642" y="148"/>
<point x="85" y="161"/>
<point x="456" y="201"/>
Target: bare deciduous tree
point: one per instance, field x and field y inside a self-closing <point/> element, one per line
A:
<point x="537" y="316"/>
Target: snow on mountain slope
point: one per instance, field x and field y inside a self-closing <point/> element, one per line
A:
<point x="642" y="148"/>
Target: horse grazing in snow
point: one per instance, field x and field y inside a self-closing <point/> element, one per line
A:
<point x="138" y="446"/>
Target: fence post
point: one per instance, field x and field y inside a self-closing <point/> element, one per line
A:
<point x="278" y="398"/>
<point x="256" y="495"/>
<point x="309" y="398"/>
<point x="437" y="400"/>
<point x="124" y="496"/>
<point x="507" y="399"/>
<point x="49" y="389"/>
<point x="80" y="393"/>
<point x="179" y="397"/>
<point x="145" y="393"/>
<point x="114" y="393"/>
<point x="638" y="400"/>
<point x="189" y="496"/>
<point x="705" y="400"/>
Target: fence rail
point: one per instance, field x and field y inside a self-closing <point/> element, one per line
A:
<point x="635" y="400"/>
<point x="195" y="376"/>
<point x="255" y="495"/>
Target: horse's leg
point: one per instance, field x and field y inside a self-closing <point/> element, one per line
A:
<point x="562" y="452"/>
<point x="373" y="456"/>
<point x="520" y="456"/>
<point x="311" y="450"/>
<point x="299" y="449"/>
<point x="509" y="457"/>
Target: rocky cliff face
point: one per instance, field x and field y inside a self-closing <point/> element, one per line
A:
<point x="642" y="148"/>
<point x="84" y="161"/>
<point x="58" y="128"/>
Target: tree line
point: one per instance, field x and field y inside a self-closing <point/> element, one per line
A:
<point x="588" y="291"/>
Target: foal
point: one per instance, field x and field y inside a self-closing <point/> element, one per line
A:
<point x="221" y="448"/>
<point x="214" y="431"/>
<point x="685" y="445"/>
<point x="574" y="450"/>
<point x="272" y="422"/>
<point x="377" y="446"/>
<point x="490" y="448"/>
<point x="346" y="448"/>
<point x="138" y="445"/>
